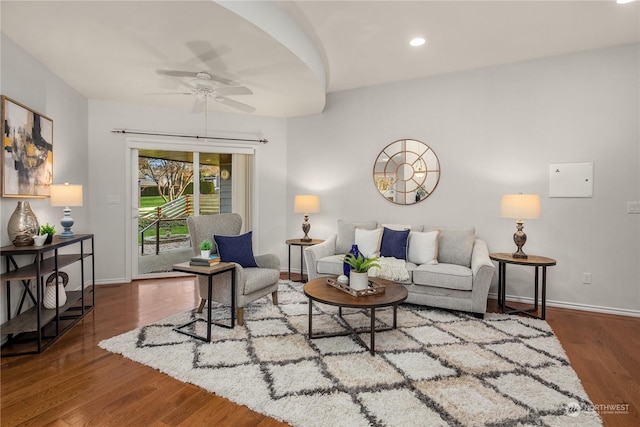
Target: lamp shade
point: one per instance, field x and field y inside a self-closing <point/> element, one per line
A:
<point x="520" y="206"/>
<point x="66" y="195"/>
<point x="306" y="203"/>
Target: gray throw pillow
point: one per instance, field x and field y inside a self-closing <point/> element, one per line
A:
<point x="454" y="244"/>
<point x="347" y="233"/>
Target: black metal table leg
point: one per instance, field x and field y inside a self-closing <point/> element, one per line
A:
<point x="289" y="264"/>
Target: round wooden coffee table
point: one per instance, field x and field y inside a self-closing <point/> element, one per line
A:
<point x="318" y="290"/>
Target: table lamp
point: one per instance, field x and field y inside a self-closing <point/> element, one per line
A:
<point x="306" y="204"/>
<point x="520" y="206"/>
<point x="66" y="195"/>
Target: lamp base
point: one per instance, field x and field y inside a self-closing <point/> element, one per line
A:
<point x="306" y="227"/>
<point x="67" y="223"/>
<point x="519" y="254"/>
<point x="519" y="238"/>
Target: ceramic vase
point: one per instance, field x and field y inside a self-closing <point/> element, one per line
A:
<point x="39" y="240"/>
<point x="22" y="225"/>
<point x="205" y="254"/>
<point x="358" y="281"/>
<point x="346" y="268"/>
<point x="49" y="300"/>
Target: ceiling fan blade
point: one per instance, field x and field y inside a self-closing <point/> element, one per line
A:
<point x="177" y="73"/>
<point x="235" y="104"/>
<point x="168" y="93"/>
<point x="234" y="90"/>
<point x="223" y="80"/>
<point x="207" y="54"/>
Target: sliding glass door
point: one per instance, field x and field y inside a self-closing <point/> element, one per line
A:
<point x="173" y="185"/>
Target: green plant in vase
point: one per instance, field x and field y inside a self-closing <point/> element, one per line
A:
<point x="49" y="230"/>
<point x="359" y="263"/>
<point x="359" y="277"/>
<point x="205" y="248"/>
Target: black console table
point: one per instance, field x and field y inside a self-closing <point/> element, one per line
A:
<point x="33" y="329"/>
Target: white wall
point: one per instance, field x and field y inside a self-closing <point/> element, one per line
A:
<point x="496" y="131"/>
<point x="27" y="81"/>
<point x="107" y="158"/>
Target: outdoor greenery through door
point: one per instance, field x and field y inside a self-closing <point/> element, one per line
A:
<point x="166" y="198"/>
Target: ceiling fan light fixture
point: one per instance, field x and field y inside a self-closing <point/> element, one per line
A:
<point x="203" y="76"/>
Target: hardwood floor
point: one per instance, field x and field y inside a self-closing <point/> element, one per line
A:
<point x="74" y="382"/>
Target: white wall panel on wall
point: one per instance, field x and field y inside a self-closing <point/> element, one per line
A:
<point x="571" y="179"/>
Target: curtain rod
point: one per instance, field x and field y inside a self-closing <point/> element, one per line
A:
<point x="261" y="141"/>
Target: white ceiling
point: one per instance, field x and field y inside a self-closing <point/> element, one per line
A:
<point x="291" y="53"/>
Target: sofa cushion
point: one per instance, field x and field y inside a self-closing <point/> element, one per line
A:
<point x="449" y="276"/>
<point x="400" y="227"/>
<point x="346" y="235"/>
<point x="423" y="247"/>
<point x="330" y="265"/>
<point x="394" y="243"/>
<point x="236" y="249"/>
<point x="454" y="244"/>
<point x="368" y="241"/>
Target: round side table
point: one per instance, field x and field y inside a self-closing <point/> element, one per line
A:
<point x="533" y="261"/>
<point x="302" y="244"/>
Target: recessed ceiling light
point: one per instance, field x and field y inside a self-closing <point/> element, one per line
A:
<point x="624" y="1"/>
<point x="418" y="41"/>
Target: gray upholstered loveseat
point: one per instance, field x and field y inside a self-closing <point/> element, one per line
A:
<point x="457" y="278"/>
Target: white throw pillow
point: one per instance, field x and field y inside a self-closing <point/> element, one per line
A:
<point x="423" y="247"/>
<point x="368" y="241"/>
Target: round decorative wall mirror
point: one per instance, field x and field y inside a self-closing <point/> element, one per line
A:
<point x="406" y="172"/>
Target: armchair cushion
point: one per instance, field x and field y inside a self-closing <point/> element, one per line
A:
<point x="237" y="249"/>
<point x="259" y="278"/>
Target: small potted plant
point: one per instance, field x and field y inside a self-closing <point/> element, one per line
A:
<point x="205" y="248"/>
<point x="49" y="230"/>
<point x="359" y="277"/>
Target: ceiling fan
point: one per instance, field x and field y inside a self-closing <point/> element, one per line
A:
<point x="206" y="85"/>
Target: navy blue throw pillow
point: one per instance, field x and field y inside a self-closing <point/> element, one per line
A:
<point x="236" y="249"/>
<point x="394" y="243"/>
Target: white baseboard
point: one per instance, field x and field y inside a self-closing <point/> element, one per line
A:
<point x="111" y="281"/>
<point x="573" y="306"/>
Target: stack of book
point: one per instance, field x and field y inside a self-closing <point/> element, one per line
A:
<point x="205" y="262"/>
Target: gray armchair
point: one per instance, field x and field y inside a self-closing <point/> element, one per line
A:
<point x="251" y="283"/>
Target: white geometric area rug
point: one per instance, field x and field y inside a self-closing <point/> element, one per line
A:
<point x="438" y="368"/>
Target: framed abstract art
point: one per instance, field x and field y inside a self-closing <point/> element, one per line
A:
<point x="27" y="151"/>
